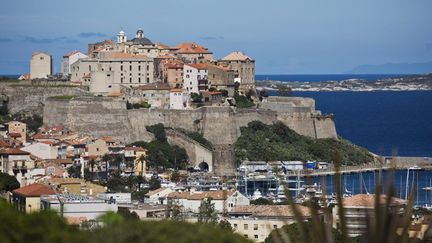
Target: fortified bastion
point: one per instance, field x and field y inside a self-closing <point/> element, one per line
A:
<point x="79" y="111"/>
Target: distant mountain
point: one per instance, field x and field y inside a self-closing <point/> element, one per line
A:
<point x="394" y="68"/>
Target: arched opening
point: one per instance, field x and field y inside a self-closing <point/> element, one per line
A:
<point x="203" y="166"/>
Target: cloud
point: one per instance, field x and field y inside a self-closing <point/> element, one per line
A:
<point x="208" y="38"/>
<point x="36" y="40"/>
<point x="91" y="34"/>
<point x="4" y="40"/>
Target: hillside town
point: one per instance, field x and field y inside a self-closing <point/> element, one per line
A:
<point x="151" y="74"/>
<point x="180" y="174"/>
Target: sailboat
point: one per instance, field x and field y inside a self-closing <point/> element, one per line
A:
<point x="428" y="188"/>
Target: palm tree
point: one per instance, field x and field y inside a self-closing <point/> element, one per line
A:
<point x="142" y="159"/>
<point x="92" y="163"/>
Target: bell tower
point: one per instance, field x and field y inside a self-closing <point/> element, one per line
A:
<point x="121" y="37"/>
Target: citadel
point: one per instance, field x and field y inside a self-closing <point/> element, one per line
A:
<point x="118" y="88"/>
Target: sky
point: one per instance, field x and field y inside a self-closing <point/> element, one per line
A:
<point x="283" y="36"/>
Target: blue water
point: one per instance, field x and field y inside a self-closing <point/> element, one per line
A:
<point x="325" y="77"/>
<point x="385" y="122"/>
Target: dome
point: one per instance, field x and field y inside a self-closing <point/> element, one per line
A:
<point x="142" y="41"/>
<point x="140" y="32"/>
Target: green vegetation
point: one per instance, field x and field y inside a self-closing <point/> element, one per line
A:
<point x="196" y="98"/>
<point x="4" y="79"/>
<point x="197" y="137"/>
<point x="259" y="141"/>
<point x="47" y="226"/>
<point x="137" y="105"/>
<point x="243" y="101"/>
<point x="207" y="213"/>
<point x="160" y="154"/>
<point x="62" y="97"/>
<point x="8" y="183"/>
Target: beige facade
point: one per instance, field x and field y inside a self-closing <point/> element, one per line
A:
<point x="18" y="128"/>
<point x="98" y="148"/>
<point x="257" y="221"/>
<point x="244" y="69"/>
<point x="40" y="65"/>
<point x="112" y="71"/>
<point x="155" y="94"/>
<point x="173" y="73"/>
<point x="221" y="78"/>
<point x="190" y="52"/>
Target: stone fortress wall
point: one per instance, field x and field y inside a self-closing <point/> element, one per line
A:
<point x="103" y="116"/>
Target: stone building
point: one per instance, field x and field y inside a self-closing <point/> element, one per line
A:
<point x="157" y="95"/>
<point x="195" y="77"/>
<point x="40" y="65"/>
<point x="112" y="71"/>
<point x="179" y="99"/>
<point x="193" y="53"/>
<point x="17" y="127"/>
<point x="69" y="59"/>
<point x="173" y="73"/>
<point x="95" y="48"/>
<point x="257" y="221"/>
<point x="221" y="78"/>
<point x="244" y="69"/>
<point x="360" y="208"/>
<point x="138" y="45"/>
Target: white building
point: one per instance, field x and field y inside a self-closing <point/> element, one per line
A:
<point x="257" y="221"/>
<point x="195" y="77"/>
<point x="69" y="59"/>
<point x="73" y="206"/>
<point x="158" y="196"/>
<point x="179" y="99"/>
<point x="40" y="65"/>
<point x="43" y="150"/>
<point x="223" y="200"/>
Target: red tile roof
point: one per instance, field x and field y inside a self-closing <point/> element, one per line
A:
<point x="13" y="151"/>
<point x="199" y="66"/>
<point x="14" y="135"/>
<point x="4" y="144"/>
<point x="192" y="48"/>
<point x="70" y="53"/>
<point x="34" y="190"/>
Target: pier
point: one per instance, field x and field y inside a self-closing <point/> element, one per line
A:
<point x="396" y="163"/>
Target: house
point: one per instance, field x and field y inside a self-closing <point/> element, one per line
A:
<point x="172" y="73"/>
<point x="244" y="70"/>
<point x="99" y="148"/>
<point x="15" y="162"/>
<point x="211" y="98"/>
<point x="157" y="95"/>
<point x="158" y="196"/>
<point x="179" y="99"/>
<point x="41" y="65"/>
<point x="17" y="130"/>
<point x="223" y="200"/>
<point x="359" y="208"/>
<point x="27" y="198"/>
<point x="221" y="78"/>
<point x="190" y="52"/>
<point x="72" y="206"/>
<point x="195" y="78"/>
<point x="257" y="221"/>
<point x="54" y="170"/>
<point x="95" y="48"/>
<point x="43" y="150"/>
<point x="76" y="186"/>
<point x="69" y="59"/>
<point x="134" y="155"/>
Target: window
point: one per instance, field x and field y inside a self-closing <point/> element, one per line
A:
<point x="148" y="67"/>
<point x="255" y="227"/>
<point x="139" y="68"/>
<point x="246" y="236"/>
<point x="235" y="226"/>
<point x="109" y="86"/>
<point x="274" y="226"/>
<point x="256" y="236"/>
<point x="130" y="68"/>
<point x="245" y="226"/>
<point x="121" y="68"/>
<point x="130" y="80"/>
<point x="97" y="149"/>
<point x="41" y="58"/>
<point x="148" y="80"/>
<point x="139" y="79"/>
<point x="108" y="75"/>
<point x="89" y="67"/>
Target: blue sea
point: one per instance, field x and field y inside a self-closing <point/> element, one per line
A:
<point x="324" y="77"/>
<point x="385" y="122"/>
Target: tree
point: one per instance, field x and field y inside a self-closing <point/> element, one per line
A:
<point x="74" y="171"/>
<point x="196" y="98"/>
<point x="225" y="224"/>
<point x="262" y="201"/>
<point x="154" y="183"/>
<point x="142" y="159"/>
<point x="127" y="214"/>
<point x="8" y="183"/>
<point x="207" y="213"/>
<point x="92" y="164"/>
